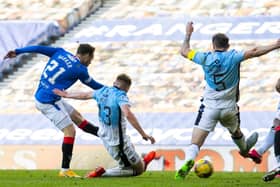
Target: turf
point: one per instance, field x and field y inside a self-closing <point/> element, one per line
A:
<point x="48" y="178"/>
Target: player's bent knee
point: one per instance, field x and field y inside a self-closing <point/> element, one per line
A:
<point x="139" y="168"/>
<point x="76" y="117"/>
<point x="69" y="131"/>
<point x="138" y="172"/>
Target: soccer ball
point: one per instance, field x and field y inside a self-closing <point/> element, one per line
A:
<point x="203" y="168"/>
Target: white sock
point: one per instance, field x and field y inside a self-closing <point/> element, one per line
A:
<point x="64" y="169"/>
<point x="267" y="143"/>
<point x="241" y="144"/>
<point x="119" y="172"/>
<point x="192" y="152"/>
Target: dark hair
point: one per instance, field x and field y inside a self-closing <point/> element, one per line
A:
<point x="220" y="40"/>
<point x="84" y="49"/>
<point x="125" y="79"/>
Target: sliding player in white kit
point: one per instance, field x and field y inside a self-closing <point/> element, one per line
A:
<point x="219" y="104"/>
<point x="114" y="107"/>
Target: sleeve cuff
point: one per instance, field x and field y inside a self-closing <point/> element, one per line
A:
<point x="191" y="54"/>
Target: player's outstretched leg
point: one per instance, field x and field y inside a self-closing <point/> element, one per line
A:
<point x="98" y="172"/>
<point x="67" y="149"/>
<point x="184" y="170"/>
<point x="148" y="158"/>
<point x="250" y="142"/>
<point x="271" y="175"/>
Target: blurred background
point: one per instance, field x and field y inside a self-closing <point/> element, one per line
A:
<point x="141" y="38"/>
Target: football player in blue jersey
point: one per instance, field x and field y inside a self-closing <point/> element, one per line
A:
<point x="114" y="108"/>
<point x="219" y="104"/>
<point x="61" y="71"/>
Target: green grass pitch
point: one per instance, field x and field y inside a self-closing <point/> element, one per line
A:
<point x="49" y="178"/>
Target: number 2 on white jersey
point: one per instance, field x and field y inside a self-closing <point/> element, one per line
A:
<point x="53" y="64"/>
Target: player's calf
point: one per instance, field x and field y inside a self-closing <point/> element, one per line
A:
<point x="250" y="142"/>
<point x="89" y="128"/>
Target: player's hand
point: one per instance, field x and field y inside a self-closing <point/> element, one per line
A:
<point x="189" y="28"/>
<point x="60" y="92"/>
<point x="10" y="54"/>
<point x="147" y="137"/>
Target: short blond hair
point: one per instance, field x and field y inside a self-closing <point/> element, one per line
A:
<point x="124" y="81"/>
<point x="124" y="78"/>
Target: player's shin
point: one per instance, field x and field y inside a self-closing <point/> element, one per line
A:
<point x="249" y="143"/>
<point x="268" y="142"/>
<point x="239" y="141"/>
<point x="88" y="127"/>
<point x="67" y="149"/>
<point x="192" y="151"/>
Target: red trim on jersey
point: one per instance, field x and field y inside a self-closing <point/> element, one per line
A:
<point x="68" y="140"/>
<point x="277" y="128"/>
<point x="83" y="124"/>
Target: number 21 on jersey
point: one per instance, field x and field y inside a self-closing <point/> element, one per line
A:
<point x="53" y="71"/>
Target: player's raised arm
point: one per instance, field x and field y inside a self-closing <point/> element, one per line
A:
<point x="45" y="50"/>
<point x="74" y="95"/>
<point x="134" y="122"/>
<point x="185" y="49"/>
<point x="261" y="50"/>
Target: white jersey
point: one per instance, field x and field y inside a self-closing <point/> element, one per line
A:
<point x="222" y="74"/>
<point x="220" y="99"/>
<point x="110" y="135"/>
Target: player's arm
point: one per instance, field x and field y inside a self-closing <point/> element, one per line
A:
<point x="185" y="49"/>
<point x="261" y="50"/>
<point x="86" y="79"/>
<point x="278" y="86"/>
<point x="134" y="122"/>
<point x="45" y="50"/>
<point x="74" y="95"/>
<point x="93" y="84"/>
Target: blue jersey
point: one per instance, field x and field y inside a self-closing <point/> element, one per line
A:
<point x="222" y="69"/>
<point x="113" y="122"/>
<point x="62" y="70"/>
